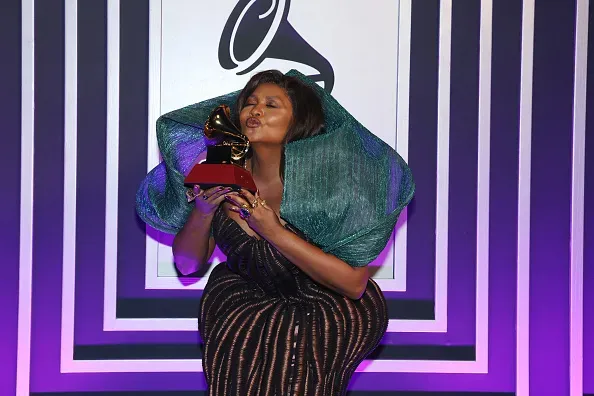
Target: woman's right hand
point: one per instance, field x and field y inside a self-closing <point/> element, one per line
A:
<point x="207" y="201"/>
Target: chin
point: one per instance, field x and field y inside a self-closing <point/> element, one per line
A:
<point x="251" y="134"/>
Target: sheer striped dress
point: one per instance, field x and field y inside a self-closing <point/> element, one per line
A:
<point x="268" y="329"/>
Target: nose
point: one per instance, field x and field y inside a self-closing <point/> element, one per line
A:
<point x="256" y="110"/>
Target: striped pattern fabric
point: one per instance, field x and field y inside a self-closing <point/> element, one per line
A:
<point x="269" y="330"/>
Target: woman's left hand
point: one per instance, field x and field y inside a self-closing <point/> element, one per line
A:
<point x="260" y="217"/>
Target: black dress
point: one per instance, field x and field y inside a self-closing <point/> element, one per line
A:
<point x="268" y="329"/>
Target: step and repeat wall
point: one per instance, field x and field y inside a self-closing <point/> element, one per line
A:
<point x="486" y="275"/>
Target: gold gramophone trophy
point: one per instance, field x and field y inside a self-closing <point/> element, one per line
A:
<point x="226" y="150"/>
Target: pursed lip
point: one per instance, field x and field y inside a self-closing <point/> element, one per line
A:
<point x="252" y="122"/>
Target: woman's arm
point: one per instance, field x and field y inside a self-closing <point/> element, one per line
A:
<point x="322" y="267"/>
<point x="193" y="245"/>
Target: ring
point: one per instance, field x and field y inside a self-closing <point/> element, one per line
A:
<point x="263" y="202"/>
<point x="205" y="197"/>
<point x="255" y="203"/>
<point x="190" y="195"/>
<point x="244" y="212"/>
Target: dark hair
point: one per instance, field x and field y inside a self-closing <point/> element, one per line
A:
<point x="308" y="115"/>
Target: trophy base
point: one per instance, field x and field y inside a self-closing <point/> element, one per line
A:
<point x="226" y="175"/>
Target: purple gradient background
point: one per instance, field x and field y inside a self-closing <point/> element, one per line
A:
<point x="589" y="219"/>
<point x="10" y="158"/>
<point x="550" y="200"/>
<point x="551" y="188"/>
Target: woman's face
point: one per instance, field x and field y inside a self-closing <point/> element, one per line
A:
<point x="266" y="115"/>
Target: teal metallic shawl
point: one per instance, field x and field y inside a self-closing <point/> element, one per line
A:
<point x="344" y="189"/>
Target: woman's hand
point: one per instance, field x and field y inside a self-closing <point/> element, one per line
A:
<point x="207" y="201"/>
<point x="261" y="219"/>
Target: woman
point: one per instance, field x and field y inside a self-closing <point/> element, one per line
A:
<point x="290" y="313"/>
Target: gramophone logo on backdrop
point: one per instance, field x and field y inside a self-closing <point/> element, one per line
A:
<point x="257" y="30"/>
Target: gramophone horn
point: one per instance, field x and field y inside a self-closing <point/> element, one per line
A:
<point x="257" y="30"/>
<point x="219" y="123"/>
<point x="219" y="128"/>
